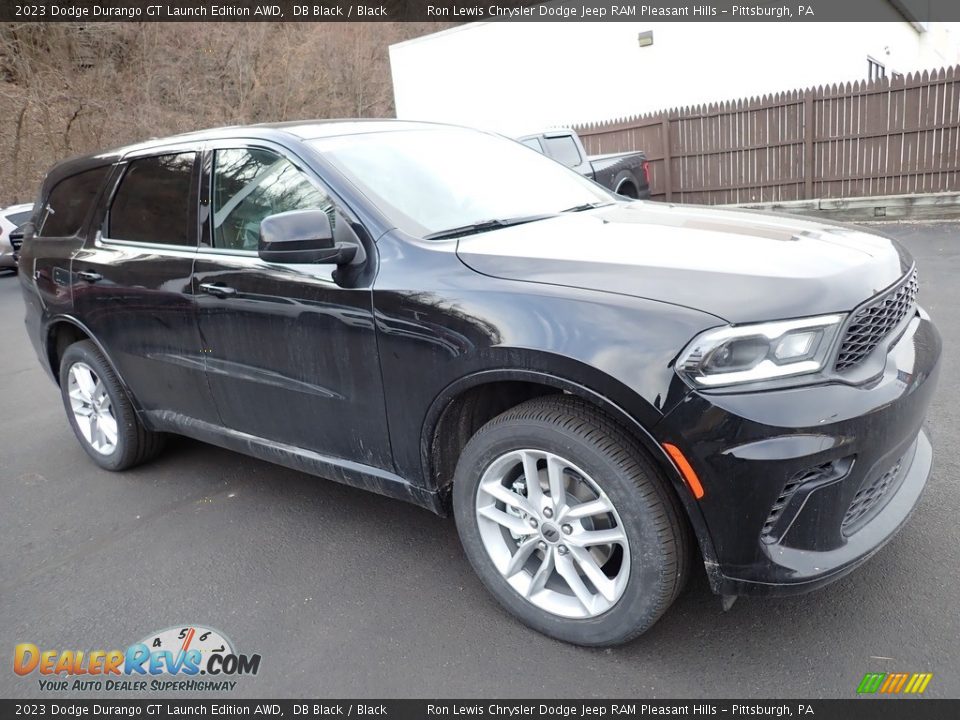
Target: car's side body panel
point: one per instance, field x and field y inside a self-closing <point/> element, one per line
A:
<point x="291" y="357"/>
<point x="343" y="470"/>
<point x="48" y="291"/>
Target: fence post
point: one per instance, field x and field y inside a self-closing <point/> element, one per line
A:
<point x="808" y="128"/>
<point x="667" y="169"/>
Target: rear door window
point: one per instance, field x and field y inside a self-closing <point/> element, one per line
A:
<point x="563" y="149"/>
<point x="153" y="203"/>
<point x="69" y="204"/>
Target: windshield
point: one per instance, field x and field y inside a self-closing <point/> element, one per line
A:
<point x="428" y="181"/>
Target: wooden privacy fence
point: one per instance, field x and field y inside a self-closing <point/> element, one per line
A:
<point x="885" y="137"/>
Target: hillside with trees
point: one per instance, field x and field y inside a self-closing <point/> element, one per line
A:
<point x="67" y="89"/>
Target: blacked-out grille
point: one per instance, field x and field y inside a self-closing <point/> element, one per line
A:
<point x="815" y="473"/>
<point x="873" y="323"/>
<point x="867" y="498"/>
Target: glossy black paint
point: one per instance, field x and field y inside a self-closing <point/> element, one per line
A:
<point x="374" y="372"/>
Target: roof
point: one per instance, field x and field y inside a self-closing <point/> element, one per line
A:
<point x="546" y="132"/>
<point x="312" y="129"/>
<point x="298" y="129"/>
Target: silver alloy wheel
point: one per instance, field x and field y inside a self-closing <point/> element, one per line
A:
<point x="92" y="409"/>
<point x="553" y="534"/>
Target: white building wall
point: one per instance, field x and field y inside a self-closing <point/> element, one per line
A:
<point x="517" y="76"/>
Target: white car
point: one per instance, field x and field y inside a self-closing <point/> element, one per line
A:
<point x="10" y="219"/>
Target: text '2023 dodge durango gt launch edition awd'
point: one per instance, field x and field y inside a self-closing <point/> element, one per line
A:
<point x="597" y="388"/>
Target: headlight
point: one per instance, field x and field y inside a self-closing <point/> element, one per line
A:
<point x="754" y="353"/>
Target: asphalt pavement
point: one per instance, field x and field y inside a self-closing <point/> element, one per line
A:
<point x="347" y="594"/>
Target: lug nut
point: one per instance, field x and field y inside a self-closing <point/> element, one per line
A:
<point x="542" y="546"/>
<point x="533" y="522"/>
<point x="567" y="529"/>
<point x="562" y="550"/>
<point x="547" y="512"/>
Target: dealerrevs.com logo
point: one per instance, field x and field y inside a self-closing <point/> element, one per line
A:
<point x="181" y="658"/>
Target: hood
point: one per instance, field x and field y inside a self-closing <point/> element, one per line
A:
<point x="742" y="266"/>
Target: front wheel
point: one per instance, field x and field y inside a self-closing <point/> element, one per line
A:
<point x="568" y="524"/>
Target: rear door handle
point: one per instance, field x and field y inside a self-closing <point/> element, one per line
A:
<point x="89" y="276"/>
<point x="220" y="291"/>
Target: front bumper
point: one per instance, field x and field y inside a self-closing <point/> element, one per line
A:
<point x="804" y="484"/>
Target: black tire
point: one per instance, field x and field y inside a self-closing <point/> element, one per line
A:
<point x="657" y="531"/>
<point x="135" y="444"/>
<point x="626" y="185"/>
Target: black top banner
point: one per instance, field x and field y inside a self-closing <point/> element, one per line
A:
<point x="916" y="709"/>
<point x="915" y="11"/>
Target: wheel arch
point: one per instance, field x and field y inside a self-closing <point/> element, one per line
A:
<point x="65" y="330"/>
<point x="626" y="184"/>
<point x="452" y="413"/>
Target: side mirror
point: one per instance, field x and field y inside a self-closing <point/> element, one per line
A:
<point x="302" y="236"/>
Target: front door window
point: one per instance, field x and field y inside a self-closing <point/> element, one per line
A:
<point x="250" y="184"/>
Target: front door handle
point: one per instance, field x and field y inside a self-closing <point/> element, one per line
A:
<point x="89" y="276"/>
<point x="220" y="291"/>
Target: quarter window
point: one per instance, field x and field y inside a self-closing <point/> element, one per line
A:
<point x="69" y="203"/>
<point x="249" y="184"/>
<point x="152" y="203"/>
<point x="533" y="143"/>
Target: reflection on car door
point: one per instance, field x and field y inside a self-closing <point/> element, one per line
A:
<point x="291" y="354"/>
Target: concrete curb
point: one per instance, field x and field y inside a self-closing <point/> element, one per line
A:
<point x="930" y="206"/>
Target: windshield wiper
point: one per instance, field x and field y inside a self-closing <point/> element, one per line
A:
<point x="586" y="206"/>
<point x="484" y="226"/>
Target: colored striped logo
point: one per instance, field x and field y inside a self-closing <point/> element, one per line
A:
<point x="894" y="683"/>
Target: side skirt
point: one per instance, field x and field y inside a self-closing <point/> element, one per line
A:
<point x="365" y="477"/>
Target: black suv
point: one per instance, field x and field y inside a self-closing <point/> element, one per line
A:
<point x="600" y="390"/>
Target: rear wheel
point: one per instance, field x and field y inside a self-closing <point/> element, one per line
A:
<point x="100" y="413"/>
<point x="568" y="524"/>
<point x="625" y="185"/>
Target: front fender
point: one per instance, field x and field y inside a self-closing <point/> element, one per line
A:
<point x="439" y="321"/>
<point x="443" y="328"/>
<point x="609" y="406"/>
